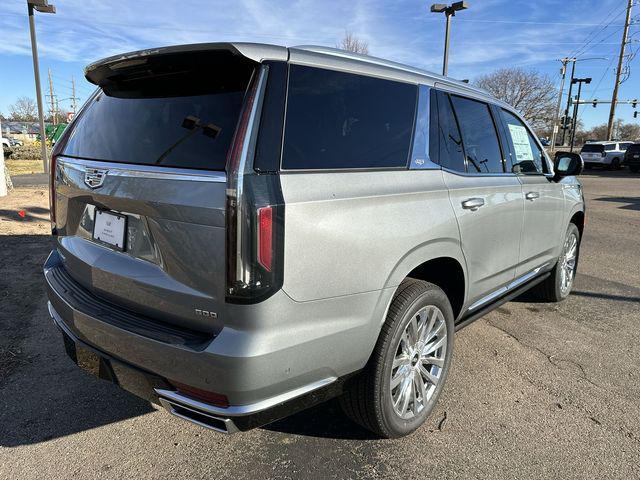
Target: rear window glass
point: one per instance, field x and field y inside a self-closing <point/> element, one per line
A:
<point x="593" y="148"/>
<point x="479" y="136"/>
<point x="339" y="120"/>
<point x="634" y="148"/>
<point x="165" y="115"/>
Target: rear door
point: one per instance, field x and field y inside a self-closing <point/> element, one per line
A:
<point x="140" y="185"/>
<point x="486" y="200"/>
<point x="543" y="198"/>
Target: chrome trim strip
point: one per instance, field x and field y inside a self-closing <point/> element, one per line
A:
<point x="502" y="290"/>
<point x="242" y="410"/>
<point x="144" y="171"/>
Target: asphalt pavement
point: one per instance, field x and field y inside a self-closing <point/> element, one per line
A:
<point x="535" y="391"/>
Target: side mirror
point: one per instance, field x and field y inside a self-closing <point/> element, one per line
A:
<point x="567" y="164"/>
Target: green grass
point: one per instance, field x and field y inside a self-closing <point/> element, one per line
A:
<point x="20" y="167"/>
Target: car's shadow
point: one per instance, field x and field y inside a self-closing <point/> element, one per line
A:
<point x="325" y="421"/>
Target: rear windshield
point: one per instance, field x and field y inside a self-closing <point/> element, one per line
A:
<point x="179" y="111"/>
<point x="593" y="148"/>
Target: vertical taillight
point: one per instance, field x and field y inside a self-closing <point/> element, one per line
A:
<point x="254" y="212"/>
<point x="52" y="191"/>
<point x="265" y="237"/>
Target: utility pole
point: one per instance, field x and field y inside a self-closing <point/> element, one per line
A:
<point x="614" y="97"/>
<point x="74" y="99"/>
<point x="566" y="110"/>
<point x="52" y="99"/>
<point x="563" y="71"/>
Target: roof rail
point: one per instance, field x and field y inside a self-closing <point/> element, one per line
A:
<point x="336" y="52"/>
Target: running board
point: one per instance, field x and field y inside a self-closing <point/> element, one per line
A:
<point x="501" y="301"/>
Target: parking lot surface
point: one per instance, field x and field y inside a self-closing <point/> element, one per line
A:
<point x="536" y="390"/>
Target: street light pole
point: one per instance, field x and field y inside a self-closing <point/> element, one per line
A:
<point x="449" y="11"/>
<point x="44" y="7"/>
<point x="579" y="81"/>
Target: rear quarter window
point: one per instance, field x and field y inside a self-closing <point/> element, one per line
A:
<point x="337" y="120"/>
<point x="593" y="148"/>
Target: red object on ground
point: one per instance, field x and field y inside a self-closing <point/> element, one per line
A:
<point x="22" y="213"/>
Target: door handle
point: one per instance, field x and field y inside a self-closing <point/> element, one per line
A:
<point x="532" y="195"/>
<point x="473" y="204"/>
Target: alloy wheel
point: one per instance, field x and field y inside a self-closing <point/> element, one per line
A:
<point x="418" y="362"/>
<point x="568" y="263"/>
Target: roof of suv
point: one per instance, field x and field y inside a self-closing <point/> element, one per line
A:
<point x="306" y="54"/>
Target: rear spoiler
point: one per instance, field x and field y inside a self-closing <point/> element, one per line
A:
<point x="103" y="70"/>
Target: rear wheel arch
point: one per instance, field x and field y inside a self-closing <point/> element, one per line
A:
<point x="448" y="274"/>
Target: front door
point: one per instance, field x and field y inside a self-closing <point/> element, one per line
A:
<point x="543" y="230"/>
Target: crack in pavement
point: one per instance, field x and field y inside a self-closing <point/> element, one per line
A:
<point x="584" y="409"/>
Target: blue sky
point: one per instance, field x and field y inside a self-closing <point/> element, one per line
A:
<point x="491" y="34"/>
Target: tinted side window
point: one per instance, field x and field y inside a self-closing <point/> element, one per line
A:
<point x="610" y="147"/>
<point x="448" y="139"/>
<point x="341" y="120"/>
<point x="479" y="135"/>
<point x="527" y="156"/>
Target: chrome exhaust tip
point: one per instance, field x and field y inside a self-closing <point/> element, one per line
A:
<point x="199" y="417"/>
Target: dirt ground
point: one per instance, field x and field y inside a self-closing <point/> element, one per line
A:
<point x="535" y="390"/>
<point x="24" y="241"/>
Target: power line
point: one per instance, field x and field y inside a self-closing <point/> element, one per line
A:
<point x="594" y="33"/>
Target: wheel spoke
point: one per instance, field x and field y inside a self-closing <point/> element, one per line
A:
<point x="430" y="377"/>
<point x="406" y="396"/>
<point x="399" y="376"/>
<point x="413" y="330"/>
<point x="432" y="320"/>
<point x="417" y="378"/>
<point x="432" y="347"/>
<point x="402" y="359"/>
<point x="434" y="332"/>
<point x="431" y="360"/>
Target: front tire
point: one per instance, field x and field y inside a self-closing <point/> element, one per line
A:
<point x="403" y="379"/>
<point x="559" y="284"/>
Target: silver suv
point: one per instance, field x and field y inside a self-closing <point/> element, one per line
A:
<point x="246" y="230"/>
<point x="606" y="154"/>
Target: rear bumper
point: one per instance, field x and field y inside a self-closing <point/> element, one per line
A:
<point x="265" y="373"/>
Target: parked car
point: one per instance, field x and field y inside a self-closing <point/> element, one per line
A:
<point x="7" y="149"/>
<point x="605" y="154"/>
<point x="632" y="157"/>
<point x="298" y="224"/>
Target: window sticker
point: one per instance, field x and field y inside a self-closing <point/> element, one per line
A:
<point x="521" y="144"/>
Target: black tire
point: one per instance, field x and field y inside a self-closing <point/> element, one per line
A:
<point x="368" y="399"/>
<point x="615" y="164"/>
<point x="551" y="289"/>
<point x="587" y="166"/>
<point x="634" y="168"/>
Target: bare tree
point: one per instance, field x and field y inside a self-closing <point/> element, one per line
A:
<point x="531" y="93"/>
<point x="24" y="110"/>
<point x="351" y="43"/>
<point x="621" y="131"/>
